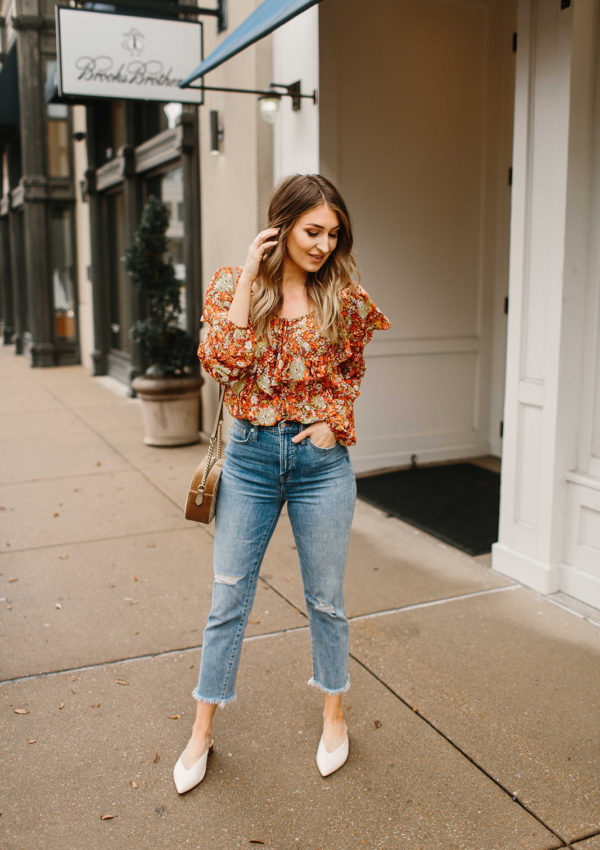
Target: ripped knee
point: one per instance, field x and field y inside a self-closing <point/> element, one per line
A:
<point x="325" y="607"/>
<point x="221" y="578"/>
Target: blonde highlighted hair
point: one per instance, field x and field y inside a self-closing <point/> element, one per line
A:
<point x="291" y="199"/>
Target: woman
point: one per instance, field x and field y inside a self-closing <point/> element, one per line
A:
<point x="286" y="336"/>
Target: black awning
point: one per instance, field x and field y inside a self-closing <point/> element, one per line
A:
<point x="270" y="15"/>
<point x="9" y="90"/>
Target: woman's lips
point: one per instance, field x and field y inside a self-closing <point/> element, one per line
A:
<point x="315" y="258"/>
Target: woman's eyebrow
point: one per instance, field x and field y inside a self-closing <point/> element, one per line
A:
<point x="320" y="226"/>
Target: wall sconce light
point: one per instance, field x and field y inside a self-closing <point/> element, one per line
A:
<point x="268" y="102"/>
<point x="79" y="136"/>
<point x="268" y="106"/>
<point x="217" y="133"/>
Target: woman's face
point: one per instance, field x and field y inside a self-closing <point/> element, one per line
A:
<point x="313" y="238"/>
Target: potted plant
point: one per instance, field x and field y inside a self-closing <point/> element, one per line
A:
<point x="169" y="391"/>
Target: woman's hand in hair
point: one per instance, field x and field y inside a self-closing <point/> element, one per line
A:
<point x="239" y="310"/>
<point x="320" y="434"/>
<point x="257" y="251"/>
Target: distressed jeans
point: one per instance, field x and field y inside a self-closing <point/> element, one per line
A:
<point x="263" y="470"/>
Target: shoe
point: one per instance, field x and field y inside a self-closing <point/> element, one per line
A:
<point x="185" y="779"/>
<point x="329" y="762"/>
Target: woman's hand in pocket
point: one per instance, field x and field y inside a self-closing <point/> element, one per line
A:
<point x="320" y="434"/>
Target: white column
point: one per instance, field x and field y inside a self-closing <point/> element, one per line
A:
<point x="552" y="166"/>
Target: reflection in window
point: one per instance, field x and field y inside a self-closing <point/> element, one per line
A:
<point x="169" y="188"/>
<point x="63" y="272"/>
<point x="120" y="288"/>
<point x="57" y="130"/>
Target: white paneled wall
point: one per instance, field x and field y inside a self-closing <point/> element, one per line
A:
<point x="550" y="497"/>
<point x="415" y="128"/>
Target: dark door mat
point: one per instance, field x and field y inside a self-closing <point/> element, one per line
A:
<point x="458" y="502"/>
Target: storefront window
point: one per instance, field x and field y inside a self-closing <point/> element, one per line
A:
<point x="58" y="147"/>
<point x="120" y="298"/>
<point x="62" y="266"/>
<point x="118" y="126"/>
<point x="168" y="186"/>
<point x="5" y="183"/>
<point x="57" y="132"/>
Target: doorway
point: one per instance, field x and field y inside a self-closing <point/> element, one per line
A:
<point x="416" y="104"/>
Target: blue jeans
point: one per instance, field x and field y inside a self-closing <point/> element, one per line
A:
<point x="263" y="469"/>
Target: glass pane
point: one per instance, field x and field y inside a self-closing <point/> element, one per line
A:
<point x="119" y="133"/>
<point x="120" y="288"/>
<point x="63" y="272"/>
<point x="171" y="191"/>
<point x="58" y="148"/>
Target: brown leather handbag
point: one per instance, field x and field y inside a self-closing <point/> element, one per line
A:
<point x="202" y="494"/>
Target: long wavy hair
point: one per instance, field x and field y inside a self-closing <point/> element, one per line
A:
<point x="291" y="199"/>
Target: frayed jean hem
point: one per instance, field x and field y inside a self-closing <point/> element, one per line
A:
<point x="210" y="701"/>
<point x="329" y="691"/>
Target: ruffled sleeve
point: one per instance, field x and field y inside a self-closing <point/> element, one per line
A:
<point x="361" y="318"/>
<point x="227" y="351"/>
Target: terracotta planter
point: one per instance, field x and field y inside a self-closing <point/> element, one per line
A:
<point x="170" y="409"/>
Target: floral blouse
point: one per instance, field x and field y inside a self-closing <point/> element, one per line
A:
<point x="301" y="375"/>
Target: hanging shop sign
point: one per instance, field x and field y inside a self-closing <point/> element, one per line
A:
<point x="100" y="54"/>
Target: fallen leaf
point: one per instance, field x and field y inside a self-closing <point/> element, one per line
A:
<point x="133" y="784"/>
<point x="58" y="605"/>
<point x="98" y="463"/>
<point x="122" y="682"/>
<point x="13" y="579"/>
<point x="9" y="607"/>
<point x="55" y="514"/>
<point x="21" y="710"/>
<point x="106" y="817"/>
<point x="253" y="621"/>
<point x="63" y="557"/>
<point x="134" y="578"/>
<point x="32" y="740"/>
<point x="96" y="705"/>
<point x="61" y="705"/>
<point x="150" y="545"/>
<point x="156" y="758"/>
<point x="415" y="708"/>
<point x="256" y="841"/>
<point x="377" y="724"/>
<point x="174" y="716"/>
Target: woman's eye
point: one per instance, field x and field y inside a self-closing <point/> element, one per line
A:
<point x="312" y="235"/>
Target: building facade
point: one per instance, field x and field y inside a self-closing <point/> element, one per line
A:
<point x="465" y="137"/>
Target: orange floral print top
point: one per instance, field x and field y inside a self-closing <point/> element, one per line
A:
<point x="301" y="375"/>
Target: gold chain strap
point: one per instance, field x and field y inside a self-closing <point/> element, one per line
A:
<point x="216" y="440"/>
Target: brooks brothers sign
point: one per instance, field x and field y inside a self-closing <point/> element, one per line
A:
<point x="123" y="56"/>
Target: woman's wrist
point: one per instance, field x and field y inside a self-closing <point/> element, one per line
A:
<point x="245" y="279"/>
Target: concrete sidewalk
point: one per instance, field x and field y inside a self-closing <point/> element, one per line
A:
<point x="474" y="711"/>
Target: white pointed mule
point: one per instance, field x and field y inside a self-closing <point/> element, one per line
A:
<point x="329" y="762"/>
<point x="187" y="778"/>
